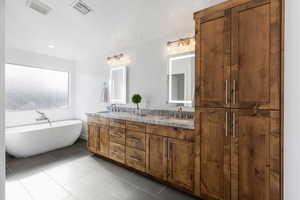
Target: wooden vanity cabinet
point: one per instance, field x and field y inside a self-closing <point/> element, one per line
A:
<point x="163" y="152"/>
<point x="238" y="100"/>
<point x="117" y="152"/>
<point x="239" y="60"/>
<point x="103" y="147"/>
<point x="171" y="160"/>
<point x="93" y="137"/>
<point x="256" y="54"/>
<point x="136" y="159"/>
<point x="255" y="157"/>
<point x="213" y="64"/>
<point x="215" y="153"/>
<point x="240" y="154"/>
<point x="98" y="135"/>
<point x="157" y="165"/>
<point x="181" y="163"/>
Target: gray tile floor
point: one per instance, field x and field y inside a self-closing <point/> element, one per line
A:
<point x="73" y="173"/>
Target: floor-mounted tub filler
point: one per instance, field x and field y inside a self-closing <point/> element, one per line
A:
<point x="25" y="141"/>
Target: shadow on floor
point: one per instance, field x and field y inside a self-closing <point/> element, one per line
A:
<point x="72" y="173"/>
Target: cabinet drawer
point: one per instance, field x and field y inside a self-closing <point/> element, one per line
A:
<point x="136" y="126"/>
<point x="117" y="135"/>
<point x="136" y="159"/>
<point x="117" y="152"/>
<point x="98" y="120"/>
<point x="172" y="132"/>
<point x="136" y="140"/>
<point x="117" y="123"/>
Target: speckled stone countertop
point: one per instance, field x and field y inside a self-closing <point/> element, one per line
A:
<point x="150" y="119"/>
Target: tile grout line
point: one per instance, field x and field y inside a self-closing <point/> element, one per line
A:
<point x="65" y="189"/>
<point x="146" y="192"/>
<point x="26" y="190"/>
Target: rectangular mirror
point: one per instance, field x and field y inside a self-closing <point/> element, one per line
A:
<point x="117" y="85"/>
<point x="181" y="79"/>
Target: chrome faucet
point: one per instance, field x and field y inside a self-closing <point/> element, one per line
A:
<point x="43" y="117"/>
<point x="180" y="112"/>
<point x="114" y="108"/>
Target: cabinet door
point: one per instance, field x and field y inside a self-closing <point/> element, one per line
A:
<point x="255" y="155"/>
<point x="214" y="127"/>
<point x="213" y="60"/>
<point x="157" y="156"/>
<point x="103" y="141"/>
<point x="181" y="163"/>
<point x="256" y="55"/>
<point x="92" y="138"/>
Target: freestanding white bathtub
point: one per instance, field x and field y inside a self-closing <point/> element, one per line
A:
<point x="25" y="141"/>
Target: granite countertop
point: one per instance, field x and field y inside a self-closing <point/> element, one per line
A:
<point x="150" y="119"/>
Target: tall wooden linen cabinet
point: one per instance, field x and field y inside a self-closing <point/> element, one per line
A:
<point x="238" y="101"/>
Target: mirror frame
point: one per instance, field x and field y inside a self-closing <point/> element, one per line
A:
<point x="124" y="98"/>
<point x="171" y="59"/>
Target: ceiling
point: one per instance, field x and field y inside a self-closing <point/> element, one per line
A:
<point x="113" y="25"/>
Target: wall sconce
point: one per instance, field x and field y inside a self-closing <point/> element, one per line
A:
<point x="118" y="60"/>
<point x="185" y="45"/>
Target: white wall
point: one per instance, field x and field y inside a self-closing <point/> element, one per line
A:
<point x="2" y="146"/>
<point x="15" y="56"/>
<point x="146" y="75"/>
<point x="292" y="99"/>
<point x="147" y="72"/>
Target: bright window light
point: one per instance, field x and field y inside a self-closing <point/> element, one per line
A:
<point x="29" y="88"/>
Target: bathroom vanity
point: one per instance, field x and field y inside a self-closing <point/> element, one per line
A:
<point x="235" y="151"/>
<point x="160" y="147"/>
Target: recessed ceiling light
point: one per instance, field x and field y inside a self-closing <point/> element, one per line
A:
<point x="51" y="46"/>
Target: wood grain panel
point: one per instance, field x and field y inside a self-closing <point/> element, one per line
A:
<point x="136" y="140"/>
<point x="98" y="120"/>
<point x="117" y="135"/>
<point x="103" y="147"/>
<point x="181" y="163"/>
<point x="219" y="7"/>
<point x="255" y="74"/>
<point x="213" y="69"/>
<point x="251" y="154"/>
<point x="92" y="138"/>
<point x="136" y="159"/>
<point x="117" y="152"/>
<point x="215" y="135"/>
<point x="172" y="132"/>
<point x="135" y="126"/>
<point x="157" y="156"/>
<point x="117" y="123"/>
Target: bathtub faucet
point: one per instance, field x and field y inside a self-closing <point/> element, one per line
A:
<point x="43" y="117"/>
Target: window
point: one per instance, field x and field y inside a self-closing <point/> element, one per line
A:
<point x="29" y="88"/>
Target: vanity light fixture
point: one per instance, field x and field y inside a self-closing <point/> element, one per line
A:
<point x="181" y="46"/>
<point x="118" y="60"/>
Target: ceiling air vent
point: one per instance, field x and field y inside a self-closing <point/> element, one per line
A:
<point x="82" y="7"/>
<point x="38" y="6"/>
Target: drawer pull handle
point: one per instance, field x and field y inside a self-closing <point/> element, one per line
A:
<point x="234" y="92"/>
<point x="134" y="126"/>
<point x="135" y="159"/>
<point x="233" y="125"/>
<point x="226" y="92"/>
<point x="226" y="125"/>
<point x="116" y="135"/>
<point x="115" y="152"/>
<point x="136" y="140"/>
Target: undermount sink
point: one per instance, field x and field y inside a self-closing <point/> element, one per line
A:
<point x="104" y="112"/>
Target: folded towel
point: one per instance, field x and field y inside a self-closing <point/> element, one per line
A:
<point x="104" y="98"/>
